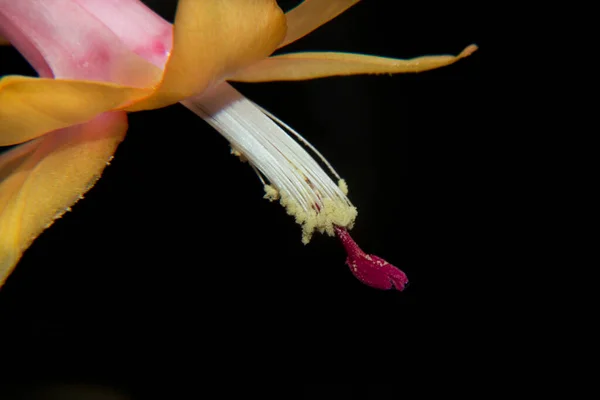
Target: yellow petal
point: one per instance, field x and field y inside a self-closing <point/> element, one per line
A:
<point x="30" y="107"/>
<point x="211" y="40"/>
<point x="41" y="179"/>
<point x="300" y="66"/>
<point x="310" y="15"/>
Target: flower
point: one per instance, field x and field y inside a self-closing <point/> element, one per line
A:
<point x="99" y="59"/>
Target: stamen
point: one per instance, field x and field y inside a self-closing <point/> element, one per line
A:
<point x="369" y="269"/>
<point x="305" y="190"/>
<point x="295" y="178"/>
<point x="302" y="140"/>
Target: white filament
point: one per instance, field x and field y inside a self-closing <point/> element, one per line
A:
<point x="306" y="190"/>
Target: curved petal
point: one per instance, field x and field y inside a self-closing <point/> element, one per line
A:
<point x="300" y="66"/>
<point x="61" y="39"/>
<point x="212" y="39"/>
<point x="311" y="14"/>
<point x="41" y="179"/>
<point x="143" y="31"/>
<point x="30" y="107"/>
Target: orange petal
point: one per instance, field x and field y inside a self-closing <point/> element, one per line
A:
<point x="30" y="107"/>
<point x="212" y="39"/>
<point x="310" y="15"/>
<point x="4" y="42"/>
<point x="41" y="179"/>
<point x="300" y="66"/>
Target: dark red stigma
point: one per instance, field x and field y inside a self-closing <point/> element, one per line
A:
<point x="369" y="269"/>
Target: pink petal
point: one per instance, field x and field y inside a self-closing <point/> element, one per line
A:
<point x="139" y="28"/>
<point x="62" y="39"/>
<point x="12" y="30"/>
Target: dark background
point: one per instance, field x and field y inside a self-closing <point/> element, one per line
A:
<point x="174" y="251"/>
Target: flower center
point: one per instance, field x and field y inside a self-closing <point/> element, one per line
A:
<point x="292" y="176"/>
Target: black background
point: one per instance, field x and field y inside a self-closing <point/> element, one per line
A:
<point x="174" y="251"/>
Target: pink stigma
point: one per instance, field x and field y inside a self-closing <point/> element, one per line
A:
<point x="370" y="270"/>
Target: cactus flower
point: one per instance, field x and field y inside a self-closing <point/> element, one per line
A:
<point x="97" y="60"/>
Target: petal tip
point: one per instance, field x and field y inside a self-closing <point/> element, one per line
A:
<point x="468" y="51"/>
